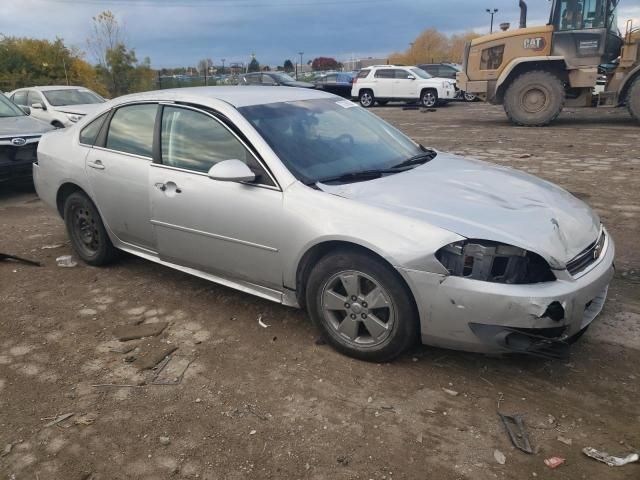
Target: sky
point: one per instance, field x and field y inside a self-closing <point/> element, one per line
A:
<point x="176" y="33"/>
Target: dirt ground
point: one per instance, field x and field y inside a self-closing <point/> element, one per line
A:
<point x="260" y="402"/>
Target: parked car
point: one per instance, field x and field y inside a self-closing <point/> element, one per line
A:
<point x="385" y="83"/>
<point x="304" y="198"/>
<point x="272" y="79"/>
<point x="338" y="83"/>
<point x="60" y="106"/>
<point x="19" y="136"/>
<point x="448" y="70"/>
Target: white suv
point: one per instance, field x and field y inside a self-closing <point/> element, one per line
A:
<point x="60" y="106"/>
<point x="386" y="83"/>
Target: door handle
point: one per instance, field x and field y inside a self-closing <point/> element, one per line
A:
<point x="170" y="186"/>
<point x="96" y="164"/>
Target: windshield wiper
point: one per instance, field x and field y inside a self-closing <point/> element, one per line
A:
<point x="418" y="159"/>
<point x="355" y="176"/>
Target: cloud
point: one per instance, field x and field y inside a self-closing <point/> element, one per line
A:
<point x="179" y="32"/>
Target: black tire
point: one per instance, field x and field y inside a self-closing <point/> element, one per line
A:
<point x="534" y="99"/>
<point x="382" y="103"/>
<point x="402" y="325"/>
<point x="633" y="99"/>
<point x="469" y="97"/>
<point x="86" y="231"/>
<point x="429" y="98"/>
<point x="366" y="98"/>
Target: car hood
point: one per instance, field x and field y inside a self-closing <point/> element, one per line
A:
<point x="22" y="126"/>
<point x="483" y="201"/>
<point x="299" y="84"/>
<point x="79" y="109"/>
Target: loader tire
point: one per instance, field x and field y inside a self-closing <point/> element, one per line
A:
<point x="534" y="99"/>
<point x="633" y="100"/>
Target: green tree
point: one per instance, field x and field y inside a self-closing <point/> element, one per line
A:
<point x="254" y="65"/>
<point x="288" y="66"/>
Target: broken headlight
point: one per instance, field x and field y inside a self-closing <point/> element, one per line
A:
<point x="494" y="262"/>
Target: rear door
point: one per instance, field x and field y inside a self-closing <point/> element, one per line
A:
<point x="228" y="229"/>
<point x="384" y="80"/>
<point x="118" y="171"/>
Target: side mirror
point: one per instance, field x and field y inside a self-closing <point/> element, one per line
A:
<point x="231" y="171"/>
<point x="411" y="77"/>
<point x="38" y="106"/>
<point x="25" y="109"/>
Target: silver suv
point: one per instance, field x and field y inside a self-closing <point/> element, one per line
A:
<point x="384" y="83"/>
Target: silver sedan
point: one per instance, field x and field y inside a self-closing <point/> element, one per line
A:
<point x="306" y="199"/>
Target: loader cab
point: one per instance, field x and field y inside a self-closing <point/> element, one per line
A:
<point x="585" y="31"/>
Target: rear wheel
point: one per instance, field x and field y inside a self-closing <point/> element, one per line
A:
<point x="534" y="99"/>
<point x="86" y="230"/>
<point x="633" y="100"/>
<point x="362" y="306"/>
<point x="429" y="98"/>
<point x="366" y="98"/>
<point x="469" y="97"/>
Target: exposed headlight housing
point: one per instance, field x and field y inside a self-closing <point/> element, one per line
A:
<point x="494" y="262"/>
<point x="74" y="117"/>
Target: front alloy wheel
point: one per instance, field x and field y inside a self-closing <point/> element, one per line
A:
<point x="361" y="305"/>
<point x="429" y="98"/>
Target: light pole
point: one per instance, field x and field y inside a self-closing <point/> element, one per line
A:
<point x="223" y="59"/>
<point x="299" y="53"/>
<point x="492" y="13"/>
<point x="411" y="51"/>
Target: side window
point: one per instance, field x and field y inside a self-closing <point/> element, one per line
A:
<point x="384" y="73"/>
<point x="20" y="98"/>
<point x="331" y="78"/>
<point x="34" y="97"/>
<point x="267" y="80"/>
<point x="131" y="129"/>
<point x="89" y="133"/>
<point x="363" y="73"/>
<point x="402" y="74"/>
<point x="195" y="141"/>
<point x="252" y="79"/>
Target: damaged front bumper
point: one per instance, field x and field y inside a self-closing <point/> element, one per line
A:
<point x="540" y="318"/>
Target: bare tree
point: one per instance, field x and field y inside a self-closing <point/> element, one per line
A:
<point x="106" y="34"/>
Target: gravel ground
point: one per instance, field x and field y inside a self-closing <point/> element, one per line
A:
<point x="259" y="402"/>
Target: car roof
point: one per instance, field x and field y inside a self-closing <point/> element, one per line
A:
<point x="238" y="96"/>
<point x="54" y="87"/>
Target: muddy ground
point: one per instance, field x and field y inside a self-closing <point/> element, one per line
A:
<point x="260" y="402"/>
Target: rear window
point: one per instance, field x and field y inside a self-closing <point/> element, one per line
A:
<point x="363" y="73"/>
<point x="89" y="134"/>
<point x="385" y="73"/>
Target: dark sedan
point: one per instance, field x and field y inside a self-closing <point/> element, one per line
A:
<point x="339" y="83"/>
<point x="273" y="79"/>
<point x="19" y="136"/>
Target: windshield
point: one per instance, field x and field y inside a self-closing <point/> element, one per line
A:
<point x="325" y="138"/>
<point x="283" y="77"/>
<point x="421" y="73"/>
<point x="60" y="98"/>
<point x="8" y="108"/>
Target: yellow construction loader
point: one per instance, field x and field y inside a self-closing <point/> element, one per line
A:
<point x="535" y="72"/>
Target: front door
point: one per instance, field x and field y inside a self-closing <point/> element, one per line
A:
<point x="118" y="171"/>
<point x="404" y="87"/>
<point x="224" y="228"/>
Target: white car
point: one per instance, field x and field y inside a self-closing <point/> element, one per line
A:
<point x="59" y="106"/>
<point x="384" y="83"/>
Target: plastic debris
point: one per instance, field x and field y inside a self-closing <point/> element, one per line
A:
<point x="565" y="440"/>
<point x="6" y="256"/>
<point x="517" y="431"/>
<point x="448" y="391"/>
<point x="610" y="459"/>
<point x="49" y="247"/>
<point x="58" y="419"/>
<point x="499" y="456"/>
<point x="553" y="462"/>
<point x="261" y="323"/>
<point x="66" y="261"/>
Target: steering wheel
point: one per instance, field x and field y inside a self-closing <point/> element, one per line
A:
<point x="346" y="139"/>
